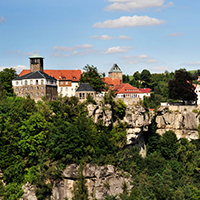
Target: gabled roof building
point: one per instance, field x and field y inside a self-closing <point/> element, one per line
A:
<point x="36" y="83"/>
<point x="84" y="90"/>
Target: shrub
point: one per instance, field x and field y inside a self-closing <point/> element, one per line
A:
<point x="195" y="111"/>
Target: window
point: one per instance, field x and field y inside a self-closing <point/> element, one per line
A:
<point x="37" y="94"/>
<point x="31" y="94"/>
<point x="17" y="82"/>
<point x="31" y="88"/>
<point x="74" y="78"/>
<point x="66" y="83"/>
<point x="52" y="82"/>
<point x="36" y="82"/>
<point x="66" y="88"/>
<point x="37" y="88"/>
<point x="17" y="89"/>
<point x="22" y="89"/>
<point x="63" y="78"/>
<point x="42" y="87"/>
<point x="61" y="82"/>
<point x="26" y="88"/>
<point x="61" y="89"/>
<point x="42" y="82"/>
<point x="42" y="94"/>
<point x="31" y="82"/>
<point x="72" y="89"/>
<point x="26" y="94"/>
<point x="26" y="82"/>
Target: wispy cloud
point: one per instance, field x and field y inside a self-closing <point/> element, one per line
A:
<point x="103" y="37"/>
<point x="2" y="20"/>
<point x="19" y="52"/>
<point x="191" y="64"/>
<point x="80" y="50"/>
<point x="106" y="37"/>
<point x="118" y="49"/>
<point x="140" y="59"/>
<point x="124" y="37"/>
<point x="127" y="21"/>
<point x="132" y="5"/>
<point x="18" y="68"/>
<point x="175" y="34"/>
<point x="160" y="69"/>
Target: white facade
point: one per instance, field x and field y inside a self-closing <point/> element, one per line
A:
<point x="67" y="88"/>
<point x="197" y="90"/>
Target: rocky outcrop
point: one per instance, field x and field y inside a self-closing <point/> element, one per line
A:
<point x="183" y="123"/>
<point x="29" y="192"/>
<point x="136" y="118"/>
<point x="101" y="180"/>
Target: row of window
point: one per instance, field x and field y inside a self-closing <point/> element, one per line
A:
<point x="36" y="82"/>
<point x="31" y="94"/>
<point x="66" y="89"/>
<point x="31" y="88"/>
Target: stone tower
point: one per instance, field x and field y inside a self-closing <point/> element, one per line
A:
<point x="36" y="63"/>
<point x="115" y="72"/>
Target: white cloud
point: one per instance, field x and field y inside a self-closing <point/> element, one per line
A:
<point x="140" y="59"/>
<point x="103" y="37"/>
<point x="2" y="20"/>
<point x="124" y="37"/>
<point x="79" y="50"/>
<point x="117" y="49"/>
<point x="160" y="69"/>
<point x="127" y="21"/>
<point x="175" y="34"/>
<point x="192" y="64"/>
<point x="131" y="5"/>
<point x="18" y="68"/>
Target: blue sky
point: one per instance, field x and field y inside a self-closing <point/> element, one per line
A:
<point x="157" y="35"/>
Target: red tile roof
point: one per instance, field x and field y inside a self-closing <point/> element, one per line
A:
<point x="126" y="89"/>
<point x="112" y="82"/>
<point x="73" y="75"/>
<point x="145" y="90"/>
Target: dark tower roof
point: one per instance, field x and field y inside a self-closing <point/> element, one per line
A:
<point x="85" y="87"/>
<point x="35" y="75"/>
<point x="115" y="68"/>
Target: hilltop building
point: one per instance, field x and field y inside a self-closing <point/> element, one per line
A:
<point x="67" y="80"/>
<point x="36" y="83"/>
<point x="84" y="90"/>
<point x="115" y="72"/>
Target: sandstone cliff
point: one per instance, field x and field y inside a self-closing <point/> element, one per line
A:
<point x="100" y="182"/>
<point x="184" y="123"/>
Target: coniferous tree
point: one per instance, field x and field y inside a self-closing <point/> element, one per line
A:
<point x="80" y="191"/>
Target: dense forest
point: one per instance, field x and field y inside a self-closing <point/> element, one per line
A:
<point x="38" y="140"/>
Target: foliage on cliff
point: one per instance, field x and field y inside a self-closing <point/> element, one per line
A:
<point x="39" y="139"/>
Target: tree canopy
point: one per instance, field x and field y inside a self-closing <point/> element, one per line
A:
<point x="180" y="87"/>
<point x="6" y="77"/>
<point x="93" y="77"/>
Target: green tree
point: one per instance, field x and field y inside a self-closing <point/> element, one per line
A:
<point x="80" y="191"/>
<point x="137" y="76"/>
<point x="169" y="145"/>
<point x="96" y="80"/>
<point x="6" y="77"/>
<point x="180" y="87"/>
<point x="146" y="76"/>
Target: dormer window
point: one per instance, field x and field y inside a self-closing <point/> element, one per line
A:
<point x="63" y="78"/>
<point x="74" y="78"/>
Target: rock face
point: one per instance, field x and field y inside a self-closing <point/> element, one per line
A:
<point x="183" y="123"/>
<point x="100" y="182"/>
<point x="29" y="192"/>
<point x="136" y="118"/>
